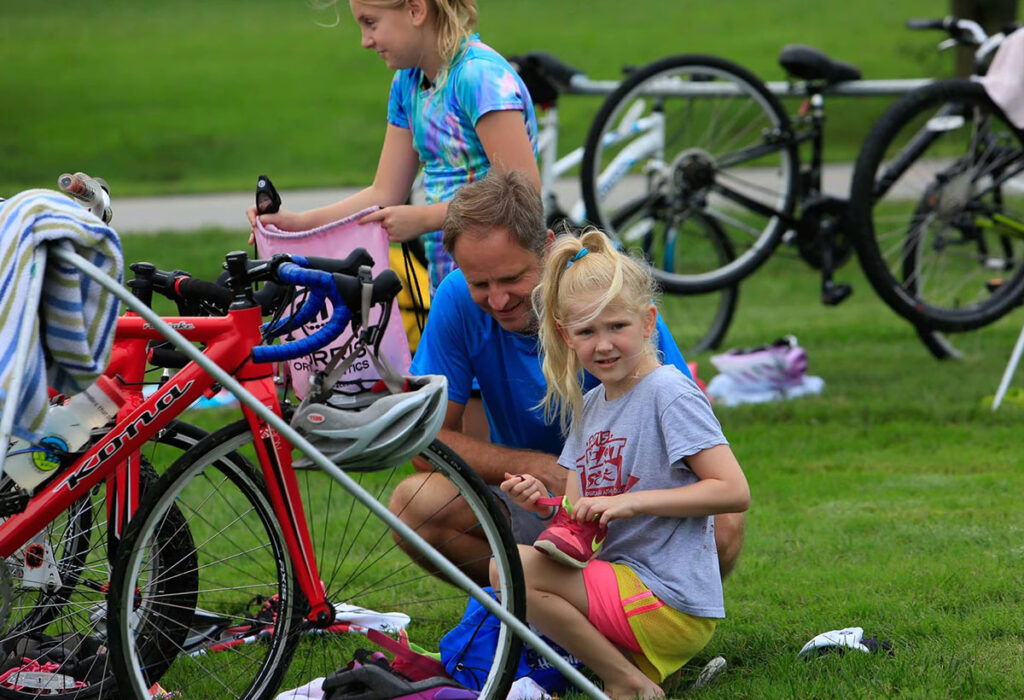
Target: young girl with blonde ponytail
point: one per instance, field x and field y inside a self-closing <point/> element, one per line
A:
<point x="626" y="577"/>
<point x="456" y="108"/>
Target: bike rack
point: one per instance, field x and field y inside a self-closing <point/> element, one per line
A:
<point x="582" y="85"/>
<point x="298" y="441"/>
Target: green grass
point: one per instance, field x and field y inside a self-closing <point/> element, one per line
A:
<point x="194" y="96"/>
<point x="889" y="502"/>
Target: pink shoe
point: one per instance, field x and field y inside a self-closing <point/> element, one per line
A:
<point x="781" y="365"/>
<point x="567" y="541"/>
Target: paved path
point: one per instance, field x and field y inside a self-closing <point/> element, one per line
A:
<point x="227" y="210"/>
<point x="192" y="212"/>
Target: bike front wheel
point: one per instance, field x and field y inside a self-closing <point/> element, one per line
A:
<point x="708" y="138"/>
<point x="937" y="208"/>
<point x="668" y="243"/>
<point x="248" y="635"/>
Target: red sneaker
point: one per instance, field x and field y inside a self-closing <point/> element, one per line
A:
<point x="567" y="541"/>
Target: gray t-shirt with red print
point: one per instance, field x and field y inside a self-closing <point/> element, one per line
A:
<point x="641" y="441"/>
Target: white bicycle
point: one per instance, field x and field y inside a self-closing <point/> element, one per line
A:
<point x="704" y="319"/>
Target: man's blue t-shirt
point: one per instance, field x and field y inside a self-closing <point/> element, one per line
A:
<point x="462" y="341"/>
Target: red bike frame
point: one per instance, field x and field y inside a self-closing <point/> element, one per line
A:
<point x="229" y="342"/>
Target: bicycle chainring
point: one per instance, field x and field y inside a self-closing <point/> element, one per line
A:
<point x="824" y="214"/>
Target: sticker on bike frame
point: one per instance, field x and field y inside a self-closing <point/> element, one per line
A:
<point x="948" y="122"/>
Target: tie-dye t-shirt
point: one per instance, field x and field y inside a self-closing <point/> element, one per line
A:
<point x="442" y="119"/>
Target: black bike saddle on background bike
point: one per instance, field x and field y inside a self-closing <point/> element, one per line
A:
<point x="809" y="63"/>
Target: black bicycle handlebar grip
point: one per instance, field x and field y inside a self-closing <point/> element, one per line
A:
<point x="345" y="266"/>
<point x="165" y="355"/>
<point x="926" y="24"/>
<point x="268" y="201"/>
<point x="386" y="287"/>
<point x="192" y="289"/>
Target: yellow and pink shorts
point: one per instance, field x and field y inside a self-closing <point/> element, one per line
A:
<point x="660" y="638"/>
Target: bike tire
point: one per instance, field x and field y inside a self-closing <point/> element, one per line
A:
<point x="240" y="556"/>
<point x="135" y="589"/>
<point x="730" y="156"/>
<point x="936" y="172"/>
<point x="68" y="623"/>
<point x="704" y="319"/>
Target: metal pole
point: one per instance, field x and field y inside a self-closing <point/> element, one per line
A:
<point x="336" y="473"/>
<point x="676" y="87"/>
<point x="1011" y="367"/>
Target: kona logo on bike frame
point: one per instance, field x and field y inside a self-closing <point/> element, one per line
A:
<point x="128" y="432"/>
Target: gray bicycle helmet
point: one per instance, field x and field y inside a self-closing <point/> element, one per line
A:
<point x="375" y="430"/>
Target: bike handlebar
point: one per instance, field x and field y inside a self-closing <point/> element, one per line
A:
<point x="188" y="287"/>
<point x="926" y="24"/>
<point x="93" y="192"/>
<point x="349" y="289"/>
<point x="319" y="275"/>
<point x="962" y="31"/>
<point x="180" y="286"/>
<point x="320" y="284"/>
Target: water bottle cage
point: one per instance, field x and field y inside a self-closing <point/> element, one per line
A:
<point x="53" y="454"/>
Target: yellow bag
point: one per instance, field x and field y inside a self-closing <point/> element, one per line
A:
<point x="414" y="299"/>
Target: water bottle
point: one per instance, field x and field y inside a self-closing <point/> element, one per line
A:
<point x="67" y="430"/>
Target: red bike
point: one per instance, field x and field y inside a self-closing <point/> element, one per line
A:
<point x="233" y="550"/>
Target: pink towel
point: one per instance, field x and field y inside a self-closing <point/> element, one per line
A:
<point x="337" y="240"/>
<point x="1004" y="81"/>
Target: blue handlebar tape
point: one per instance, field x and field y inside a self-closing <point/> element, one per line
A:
<point x="320" y="284"/>
<point x="288" y="272"/>
<point x="310" y="308"/>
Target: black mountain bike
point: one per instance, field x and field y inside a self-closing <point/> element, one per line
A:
<point x="731" y="154"/>
<point x="937" y="204"/>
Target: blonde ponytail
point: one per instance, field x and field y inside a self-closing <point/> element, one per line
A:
<point x="591" y="272"/>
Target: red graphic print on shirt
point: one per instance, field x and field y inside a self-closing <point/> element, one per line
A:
<point x="601" y="466"/>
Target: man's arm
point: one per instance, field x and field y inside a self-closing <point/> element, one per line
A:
<point x="670" y="353"/>
<point x="491" y="461"/>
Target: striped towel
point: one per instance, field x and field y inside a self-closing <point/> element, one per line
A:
<point x="77" y="315"/>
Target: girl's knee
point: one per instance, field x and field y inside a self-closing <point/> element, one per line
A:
<point x="524" y="556"/>
<point x="492" y="575"/>
<point x="543" y="574"/>
<point x="534" y="562"/>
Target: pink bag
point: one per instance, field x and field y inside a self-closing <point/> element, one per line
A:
<point x="337" y="240"/>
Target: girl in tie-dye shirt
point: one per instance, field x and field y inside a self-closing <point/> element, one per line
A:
<point x="456" y="108"/>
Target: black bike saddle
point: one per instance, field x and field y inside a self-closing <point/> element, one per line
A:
<point x="545" y="76"/>
<point x="808" y="63"/>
